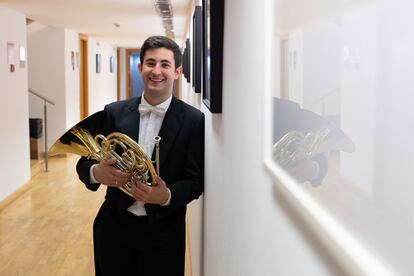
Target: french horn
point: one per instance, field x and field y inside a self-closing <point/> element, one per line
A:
<point x="129" y="155"/>
<point x="295" y="147"/>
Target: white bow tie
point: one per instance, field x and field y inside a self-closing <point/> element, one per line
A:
<point x="144" y="109"/>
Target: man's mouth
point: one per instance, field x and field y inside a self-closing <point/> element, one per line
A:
<point x="156" y="80"/>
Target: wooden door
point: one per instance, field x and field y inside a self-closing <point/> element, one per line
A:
<point x="83" y="71"/>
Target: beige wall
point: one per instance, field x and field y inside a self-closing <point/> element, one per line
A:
<point x="14" y="113"/>
<point x="72" y="79"/>
<point x="52" y="76"/>
<point x="103" y="86"/>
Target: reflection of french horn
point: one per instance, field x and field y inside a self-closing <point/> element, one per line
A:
<point x="132" y="160"/>
<point x="294" y="147"/>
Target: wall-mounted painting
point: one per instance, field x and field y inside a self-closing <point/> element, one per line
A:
<point x="98" y="63"/>
<point x="186" y="60"/>
<point x="111" y="64"/>
<point x="213" y="25"/>
<point x="197" y="48"/>
<point x="72" y="60"/>
<point x="10" y="56"/>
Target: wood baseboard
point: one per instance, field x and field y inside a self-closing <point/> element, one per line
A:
<point x="13" y="196"/>
<point x="36" y="167"/>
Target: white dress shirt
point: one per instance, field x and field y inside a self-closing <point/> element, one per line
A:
<point x="149" y="127"/>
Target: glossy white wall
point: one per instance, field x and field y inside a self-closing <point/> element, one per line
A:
<point x="355" y="64"/>
<point x="248" y="227"/>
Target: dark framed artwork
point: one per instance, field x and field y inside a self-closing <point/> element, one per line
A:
<point x="72" y="60"/>
<point x="213" y="26"/>
<point x="186" y="60"/>
<point x="197" y="49"/>
<point x="98" y="63"/>
<point x="111" y="64"/>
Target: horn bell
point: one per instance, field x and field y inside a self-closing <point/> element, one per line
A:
<point x="83" y="139"/>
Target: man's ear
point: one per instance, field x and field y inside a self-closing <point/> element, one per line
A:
<point x="139" y="67"/>
<point x="178" y="72"/>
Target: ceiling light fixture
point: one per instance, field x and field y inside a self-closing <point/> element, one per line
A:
<point x="164" y="9"/>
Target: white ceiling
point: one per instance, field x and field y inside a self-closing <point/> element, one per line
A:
<point x="138" y="19"/>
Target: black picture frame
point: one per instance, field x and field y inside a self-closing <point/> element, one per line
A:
<point x="111" y="64"/>
<point x="98" y="63"/>
<point x="197" y="49"/>
<point x="213" y="26"/>
<point x="186" y="60"/>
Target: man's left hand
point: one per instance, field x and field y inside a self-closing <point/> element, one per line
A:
<point x="155" y="194"/>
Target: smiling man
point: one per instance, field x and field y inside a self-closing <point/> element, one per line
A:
<point x="158" y="72"/>
<point x="145" y="234"/>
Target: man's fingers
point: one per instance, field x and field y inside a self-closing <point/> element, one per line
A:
<point x="116" y="176"/>
<point x="120" y="174"/>
<point x="143" y="187"/>
<point x="109" y="161"/>
<point x="138" y="193"/>
<point x="159" y="181"/>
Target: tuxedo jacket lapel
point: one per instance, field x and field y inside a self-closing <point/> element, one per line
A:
<point x="169" y="129"/>
<point x="132" y="120"/>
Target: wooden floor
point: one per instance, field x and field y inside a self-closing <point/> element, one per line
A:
<point x="48" y="229"/>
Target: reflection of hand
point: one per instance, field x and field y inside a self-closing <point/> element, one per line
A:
<point x="155" y="194"/>
<point x="107" y="174"/>
<point x="306" y="170"/>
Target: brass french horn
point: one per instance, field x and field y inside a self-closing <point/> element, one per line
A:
<point x="131" y="158"/>
<point x="295" y="147"/>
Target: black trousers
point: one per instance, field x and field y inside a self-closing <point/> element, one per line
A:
<point x="126" y="245"/>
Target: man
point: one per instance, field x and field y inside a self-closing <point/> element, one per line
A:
<point x="145" y="234"/>
<point x="289" y="117"/>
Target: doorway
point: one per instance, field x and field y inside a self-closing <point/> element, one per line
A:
<point x="134" y="82"/>
<point x="83" y="78"/>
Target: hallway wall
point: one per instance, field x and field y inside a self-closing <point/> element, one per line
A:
<point x="51" y="75"/>
<point x="248" y="229"/>
<point x="195" y="208"/>
<point x="102" y="87"/>
<point x="72" y="78"/>
<point x="14" y="125"/>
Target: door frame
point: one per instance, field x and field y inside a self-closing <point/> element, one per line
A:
<point x="83" y="76"/>
<point x="128" y="52"/>
<point x="128" y="93"/>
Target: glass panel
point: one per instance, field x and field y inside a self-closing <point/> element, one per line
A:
<point x="343" y="115"/>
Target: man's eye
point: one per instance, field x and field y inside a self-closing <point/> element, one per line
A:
<point x="165" y="65"/>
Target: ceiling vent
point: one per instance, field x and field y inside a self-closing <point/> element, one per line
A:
<point x="164" y="9"/>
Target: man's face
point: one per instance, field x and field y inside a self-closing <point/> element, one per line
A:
<point x="158" y="72"/>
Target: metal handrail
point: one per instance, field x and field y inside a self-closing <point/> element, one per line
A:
<point x="45" y="101"/>
<point x="40" y="96"/>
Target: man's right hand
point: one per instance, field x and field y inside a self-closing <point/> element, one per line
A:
<point x="105" y="173"/>
<point x="306" y="170"/>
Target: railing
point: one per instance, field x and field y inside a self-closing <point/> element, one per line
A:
<point x="45" y="101"/>
<point x="323" y="98"/>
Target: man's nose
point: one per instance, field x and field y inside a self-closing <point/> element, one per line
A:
<point x="156" y="69"/>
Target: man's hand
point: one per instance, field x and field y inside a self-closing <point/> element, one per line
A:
<point x="156" y="194"/>
<point x="306" y="170"/>
<point x="108" y="175"/>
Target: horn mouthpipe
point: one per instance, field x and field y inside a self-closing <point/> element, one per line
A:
<point x="157" y="140"/>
